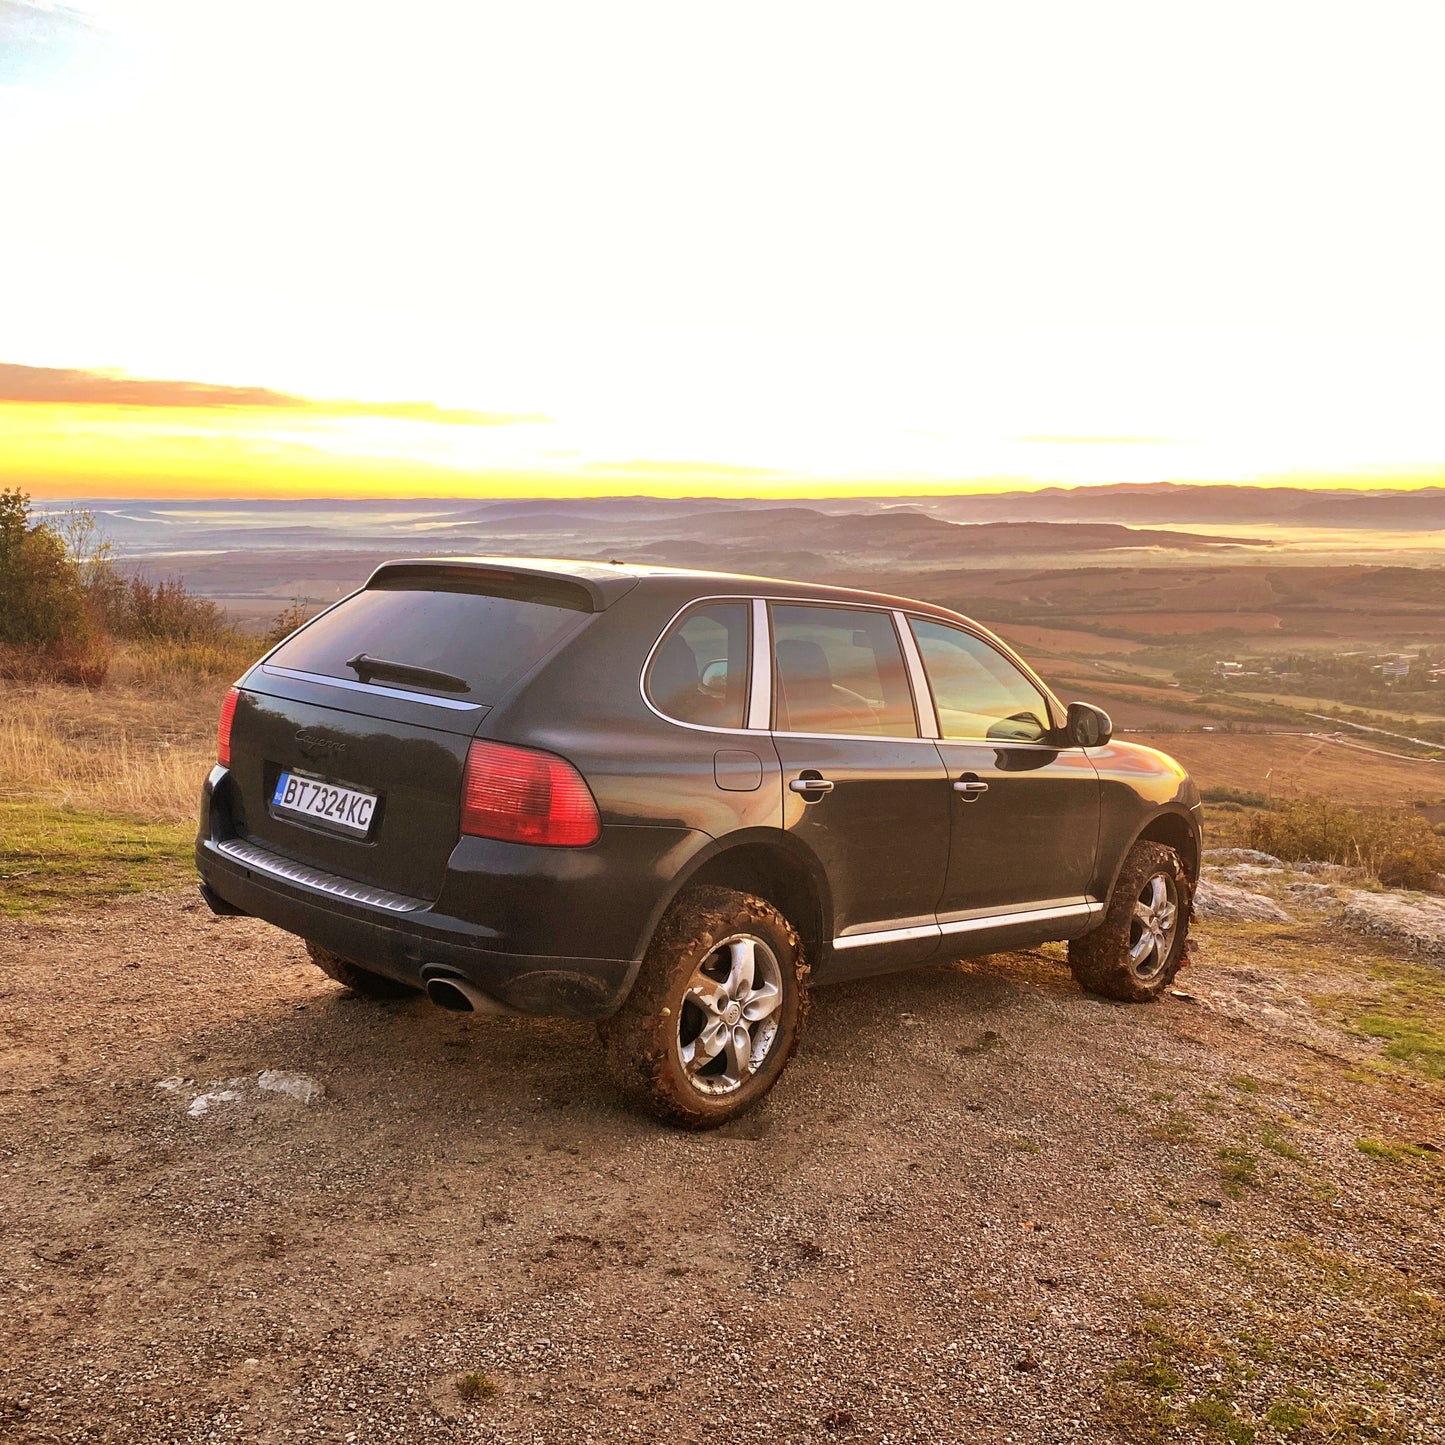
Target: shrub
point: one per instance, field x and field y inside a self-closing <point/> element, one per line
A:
<point x="47" y="631"/>
<point x="1241" y="797"/>
<point x="285" y="622"/>
<point x="166" y="611"/>
<point x="226" y="654"/>
<point x="1395" y="844"/>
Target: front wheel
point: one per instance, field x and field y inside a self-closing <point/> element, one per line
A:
<point x="716" y="1010"/>
<point x="1135" y="952"/>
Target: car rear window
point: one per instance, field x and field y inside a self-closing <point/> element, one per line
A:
<point x="484" y="640"/>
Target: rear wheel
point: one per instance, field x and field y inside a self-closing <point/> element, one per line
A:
<point x="357" y="979"/>
<point x="715" y="1013"/>
<point x="1135" y="952"/>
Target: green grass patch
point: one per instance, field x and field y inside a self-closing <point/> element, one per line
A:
<point x="1287" y="1417"/>
<point x="1411" y="1037"/>
<point x="476" y="1385"/>
<point x="1276" y="1143"/>
<point x="54" y="857"/>
<point x="1173" y="1128"/>
<point x="1238" y="1170"/>
<point x="1395" y="1151"/>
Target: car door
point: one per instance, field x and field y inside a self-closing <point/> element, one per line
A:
<point x="861" y="788"/>
<point x="1025" y="810"/>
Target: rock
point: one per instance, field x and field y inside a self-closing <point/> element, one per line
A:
<point x="204" y="1103"/>
<point x="285" y="1081"/>
<point x="1243" y="874"/>
<point x="1222" y="902"/>
<point x="1242" y="855"/>
<point x="1415" y="919"/>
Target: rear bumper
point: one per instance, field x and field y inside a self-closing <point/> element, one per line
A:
<point x="512" y="921"/>
<point x="424" y="944"/>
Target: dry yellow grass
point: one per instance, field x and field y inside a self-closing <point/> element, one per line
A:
<point x="1297" y="766"/>
<point x="123" y="749"/>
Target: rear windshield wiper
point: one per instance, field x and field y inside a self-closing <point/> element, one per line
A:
<point x="369" y="667"/>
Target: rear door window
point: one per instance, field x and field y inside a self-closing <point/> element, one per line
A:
<point x="486" y="642"/>
<point x="699" y="673"/>
<point x="840" y="670"/>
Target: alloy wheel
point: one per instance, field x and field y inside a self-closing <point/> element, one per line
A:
<point x="1153" y="924"/>
<point x="728" y="1021"/>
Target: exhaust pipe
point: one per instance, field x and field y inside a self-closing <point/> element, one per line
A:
<point x="457" y="996"/>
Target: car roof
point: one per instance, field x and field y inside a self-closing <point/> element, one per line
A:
<point x="604" y="583"/>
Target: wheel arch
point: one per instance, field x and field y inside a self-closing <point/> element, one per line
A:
<point x="1176" y="828"/>
<point x="765" y="862"/>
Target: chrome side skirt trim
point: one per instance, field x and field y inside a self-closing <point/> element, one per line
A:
<point x="1023" y="915"/>
<point x="886" y="935"/>
<point x="349" y="686"/>
<point x="262" y="860"/>
<point x="1016" y="918"/>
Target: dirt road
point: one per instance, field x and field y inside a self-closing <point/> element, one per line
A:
<point x="981" y="1207"/>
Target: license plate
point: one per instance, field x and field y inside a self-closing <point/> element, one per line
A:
<point x="348" y="810"/>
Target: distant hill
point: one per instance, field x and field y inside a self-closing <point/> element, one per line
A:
<point x="1149" y="504"/>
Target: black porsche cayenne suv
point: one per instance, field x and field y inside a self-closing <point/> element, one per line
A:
<point x="675" y="801"/>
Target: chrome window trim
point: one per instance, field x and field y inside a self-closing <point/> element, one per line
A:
<point x="760" y="684"/>
<point x="750" y="728"/>
<point x="928" y="726"/>
<point x="263" y="860"/>
<point x="1090" y="908"/>
<point x="1035" y="682"/>
<point x="271" y="670"/>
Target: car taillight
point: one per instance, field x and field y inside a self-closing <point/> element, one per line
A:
<point x="223" y="728"/>
<point x="521" y="795"/>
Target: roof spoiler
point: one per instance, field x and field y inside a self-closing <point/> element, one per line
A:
<point x="581" y="586"/>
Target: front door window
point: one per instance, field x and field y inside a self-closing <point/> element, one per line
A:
<point x="979" y="693"/>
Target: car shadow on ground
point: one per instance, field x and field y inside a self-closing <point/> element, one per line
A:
<point x="396" y="1063"/>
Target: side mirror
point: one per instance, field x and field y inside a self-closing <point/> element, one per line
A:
<point x="1088" y="726"/>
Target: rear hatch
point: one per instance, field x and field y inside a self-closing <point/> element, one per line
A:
<point x="349" y="741"/>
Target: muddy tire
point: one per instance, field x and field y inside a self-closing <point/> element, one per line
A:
<point x="715" y="1013"/>
<point x="1135" y="952"/>
<point x="359" y="980"/>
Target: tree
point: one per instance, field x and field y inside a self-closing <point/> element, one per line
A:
<point x="43" y="610"/>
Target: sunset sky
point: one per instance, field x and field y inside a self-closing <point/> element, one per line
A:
<point x="312" y="248"/>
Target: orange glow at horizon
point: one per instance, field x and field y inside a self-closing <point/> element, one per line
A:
<point x="949" y="246"/>
<point x="87" y="450"/>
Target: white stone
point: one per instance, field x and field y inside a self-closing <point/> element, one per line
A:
<point x="1416" y="919"/>
<point x="285" y="1081"/>
<point x="1218" y="901"/>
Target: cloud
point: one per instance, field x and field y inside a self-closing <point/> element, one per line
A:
<point x="41" y="41"/>
<point x="70" y="386"/>
<point x="1078" y="441"/>
<point x="426" y="411"/>
<point x="103" y="388"/>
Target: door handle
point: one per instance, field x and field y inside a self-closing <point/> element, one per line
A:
<point x="819" y="786"/>
<point x="970" y="787"/>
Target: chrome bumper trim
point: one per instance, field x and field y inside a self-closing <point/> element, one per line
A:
<point x="262" y="860"/>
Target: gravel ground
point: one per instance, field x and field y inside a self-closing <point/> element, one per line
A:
<point x="981" y="1206"/>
